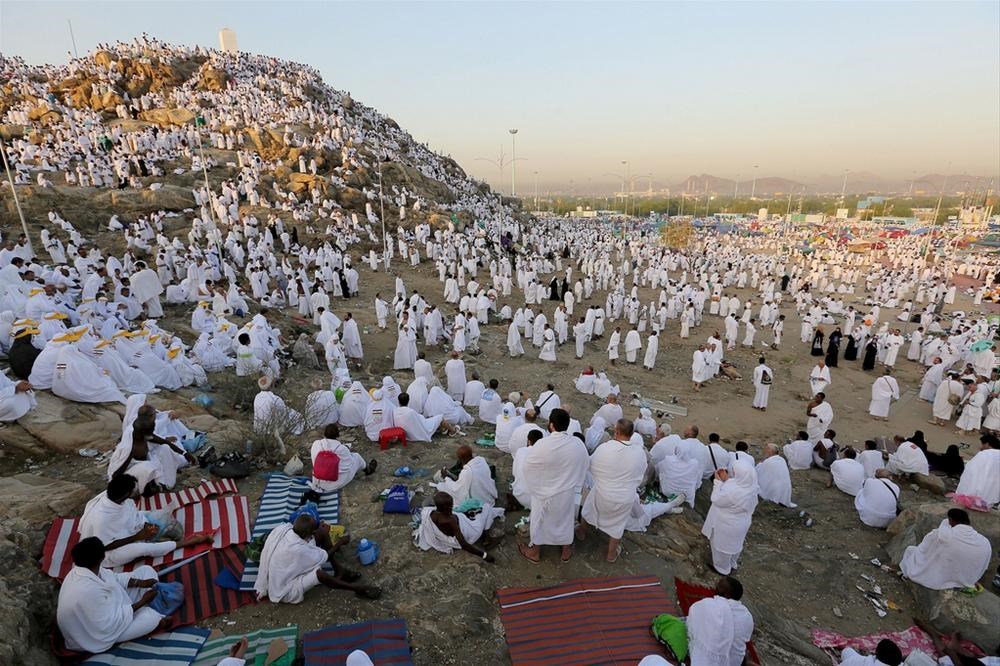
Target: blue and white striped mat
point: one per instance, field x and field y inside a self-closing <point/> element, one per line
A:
<point x="178" y="647"/>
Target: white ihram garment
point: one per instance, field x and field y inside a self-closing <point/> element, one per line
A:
<point x="617" y="469"/>
<point x="553" y="473"/>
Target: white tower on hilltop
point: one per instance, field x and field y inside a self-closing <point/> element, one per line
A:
<point x="227" y="41"/>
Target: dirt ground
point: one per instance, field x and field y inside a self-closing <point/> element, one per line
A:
<point x="803" y="574"/>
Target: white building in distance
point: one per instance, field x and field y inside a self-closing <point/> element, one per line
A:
<point x="227" y="41"/>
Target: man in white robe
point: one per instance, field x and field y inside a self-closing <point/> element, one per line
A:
<point x="952" y="555"/>
<point x="762" y="378"/>
<point x="334" y="463"/>
<point x="819" y="378"/>
<point x="847" y="473"/>
<point x="948" y="394"/>
<point x="981" y="477"/>
<point x="799" y="452"/>
<point x="700" y="370"/>
<point x="490" y="403"/>
<point x="932" y="379"/>
<point x="773" y="478"/>
<point x="633" y="343"/>
<point x="547" y="401"/>
<point x="378" y="415"/>
<point x="820" y="415"/>
<point x="728" y="521"/>
<point x="146" y="289"/>
<point x="98" y="608"/>
<point x="454" y="370"/>
<point x="610" y="411"/>
<point x="617" y="468"/>
<point x="907" y="459"/>
<point x="270" y="413"/>
<point x="418" y="428"/>
<point x="474" y="481"/>
<point x="885" y="389"/>
<point x="292" y="560"/>
<point x="445" y="531"/>
<point x="552" y="475"/>
<point x="878" y="500"/>
<point x="719" y="627"/>
<point x="16" y="399"/>
<point x="352" y="340"/>
<point x="113" y="517"/>
<point x="474" y="389"/>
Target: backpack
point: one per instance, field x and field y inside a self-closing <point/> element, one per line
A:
<point x="671" y="632"/>
<point x="326" y="467"/>
<point x="765" y="378"/>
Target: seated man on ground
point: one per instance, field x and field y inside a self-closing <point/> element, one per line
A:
<point x="334" y="463"/>
<point x="98" y="608"/>
<point x="490" y="402"/>
<point x="444" y="530"/>
<point x="126" y="532"/>
<point x="773" y="479"/>
<point x="720" y="626"/>
<point x="847" y="473"/>
<point x="16" y="398"/>
<point x="151" y="459"/>
<point x="878" y="500"/>
<point x="799" y="452"/>
<point x="981" y="477"/>
<point x="951" y="555"/>
<point x="420" y="428"/>
<point x="292" y="559"/>
<point x="908" y="459"/>
<point x="474" y="481"/>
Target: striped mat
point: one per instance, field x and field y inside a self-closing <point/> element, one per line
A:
<point x="585" y="621"/>
<point x="258" y="642"/>
<point x="207" y="489"/>
<point x="386" y="642"/>
<point x="231" y="514"/>
<point x="280" y="498"/>
<point x="202" y="597"/>
<point x="176" y="648"/>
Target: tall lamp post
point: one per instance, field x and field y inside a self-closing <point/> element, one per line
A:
<point x="513" y="159"/>
<point x="13" y="191"/>
<point x="753" y="190"/>
<point x="535" y="173"/>
<point x="625" y="174"/>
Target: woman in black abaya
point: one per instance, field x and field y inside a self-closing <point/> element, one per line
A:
<point x="817" y="343"/>
<point x="871" y="352"/>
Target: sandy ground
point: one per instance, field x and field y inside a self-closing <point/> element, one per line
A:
<point x="789" y="571"/>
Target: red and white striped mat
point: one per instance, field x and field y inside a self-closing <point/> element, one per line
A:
<point x="207" y="489"/>
<point x="230" y="515"/>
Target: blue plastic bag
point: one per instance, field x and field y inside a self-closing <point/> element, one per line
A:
<point x="169" y="597"/>
<point x="398" y="500"/>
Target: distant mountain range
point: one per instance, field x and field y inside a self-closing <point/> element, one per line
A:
<point x="860" y="182"/>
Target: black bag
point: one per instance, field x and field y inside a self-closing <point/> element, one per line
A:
<point x="231" y="466"/>
<point x="899" y="508"/>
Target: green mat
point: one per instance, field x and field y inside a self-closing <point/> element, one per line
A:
<point x="257" y="644"/>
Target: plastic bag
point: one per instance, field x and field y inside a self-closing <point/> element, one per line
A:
<point x="398" y="500"/>
<point x="169" y="597"/>
<point x="294" y="466"/>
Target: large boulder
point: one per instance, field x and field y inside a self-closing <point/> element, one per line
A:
<point x="66" y="426"/>
<point x="167" y="117"/>
<point x="38" y="499"/>
<point x="213" y="80"/>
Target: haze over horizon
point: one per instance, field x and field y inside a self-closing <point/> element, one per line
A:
<point x="803" y="90"/>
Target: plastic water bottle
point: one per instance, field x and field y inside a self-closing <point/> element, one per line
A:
<point x="248" y="447"/>
<point x="367" y="552"/>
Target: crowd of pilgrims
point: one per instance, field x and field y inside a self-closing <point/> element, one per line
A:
<point x="87" y="326"/>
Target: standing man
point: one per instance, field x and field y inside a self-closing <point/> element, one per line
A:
<point x="552" y="474"/>
<point x="762" y="378"/>
<point x="885" y="389"/>
<point x="618" y="469"/>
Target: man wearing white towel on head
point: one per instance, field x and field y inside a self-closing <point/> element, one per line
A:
<point x="773" y="478"/>
<point x="475" y="481"/>
<point x="270" y="413"/>
<point x="618" y="469"/>
<point x="633" y="343"/>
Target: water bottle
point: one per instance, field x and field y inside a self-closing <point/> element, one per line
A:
<point x="367" y="552"/>
<point x="248" y="447"/>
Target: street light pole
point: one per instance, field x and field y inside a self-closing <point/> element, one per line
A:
<point x="13" y="191"/>
<point x="513" y="159"/>
<point x="536" y="190"/>
<point x="753" y="190"/>
<point x="843" y="188"/>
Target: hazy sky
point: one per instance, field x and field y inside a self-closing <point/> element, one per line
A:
<point x="800" y="88"/>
